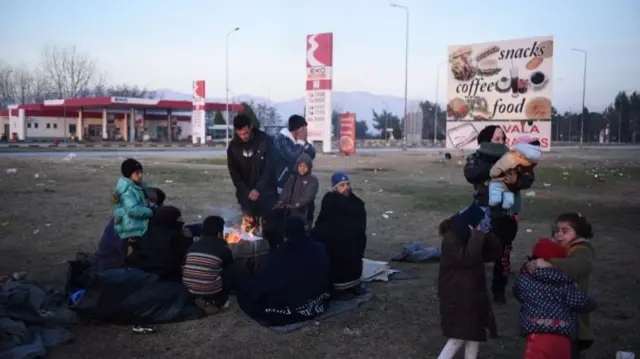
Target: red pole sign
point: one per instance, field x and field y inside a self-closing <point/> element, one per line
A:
<point x="348" y="133"/>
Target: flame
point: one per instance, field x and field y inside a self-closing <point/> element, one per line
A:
<point x="248" y="227"/>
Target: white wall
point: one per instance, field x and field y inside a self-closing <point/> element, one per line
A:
<point x="49" y="127"/>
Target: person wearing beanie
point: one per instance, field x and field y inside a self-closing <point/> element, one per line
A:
<point x="342" y="227"/>
<point x="205" y="266"/>
<point x="289" y="145"/>
<point x="250" y="160"/>
<point x="465" y="308"/>
<point x="504" y="221"/>
<point x="294" y="283"/>
<point x="549" y="301"/>
<point x="131" y="214"/>
<point x="300" y="191"/>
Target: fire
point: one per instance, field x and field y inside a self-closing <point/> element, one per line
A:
<point x="246" y="231"/>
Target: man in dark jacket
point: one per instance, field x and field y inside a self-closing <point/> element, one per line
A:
<point x="341" y="226"/>
<point x="504" y="223"/>
<point x="250" y="161"/>
<point x="289" y="144"/>
<point x="294" y="283"/>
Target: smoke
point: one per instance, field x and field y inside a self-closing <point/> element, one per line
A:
<point x="230" y="213"/>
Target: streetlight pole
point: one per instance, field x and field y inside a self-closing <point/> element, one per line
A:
<point x="406" y="74"/>
<point x="584" y="90"/>
<point x="435" y="106"/>
<point x="226" y="86"/>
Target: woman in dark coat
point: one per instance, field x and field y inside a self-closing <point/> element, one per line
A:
<point x="341" y="226"/>
<point x="465" y="308"/>
<point x="504" y="223"/>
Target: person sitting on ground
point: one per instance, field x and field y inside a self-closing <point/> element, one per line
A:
<point x="341" y="226"/>
<point x="465" y="309"/>
<point x="110" y="253"/>
<point x="163" y="248"/>
<point x="300" y="191"/>
<point x="294" y="283"/>
<point x="206" y="264"/>
<point x="524" y="155"/>
<point x="550" y="300"/>
<point x="131" y="215"/>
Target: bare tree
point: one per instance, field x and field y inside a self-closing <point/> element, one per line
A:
<point x="266" y="114"/>
<point x="7" y="92"/>
<point x="23" y="85"/>
<point x="124" y="90"/>
<point x="70" y="72"/>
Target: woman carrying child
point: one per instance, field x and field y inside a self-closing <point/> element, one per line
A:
<point x="574" y="233"/>
<point x="465" y="307"/>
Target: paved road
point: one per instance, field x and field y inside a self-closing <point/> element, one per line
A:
<point x="222" y="153"/>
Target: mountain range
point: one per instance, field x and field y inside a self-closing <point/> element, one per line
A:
<point x="358" y="102"/>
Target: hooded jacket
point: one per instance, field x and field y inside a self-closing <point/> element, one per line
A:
<point x="294" y="283"/>
<point x="131" y="216"/>
<point x="301" y="190"/>
<point x="578" y="265"/>
<point x="287" y="151"/>
<point x="251" y="166"/>
<point x="342" y="227"/>
<point x="549" y="299"/>
<point x="477" y="172"/>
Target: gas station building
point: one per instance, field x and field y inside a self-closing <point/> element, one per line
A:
<point x="103" y="118"/>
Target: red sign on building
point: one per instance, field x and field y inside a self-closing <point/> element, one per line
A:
<point x="347" y="134"/>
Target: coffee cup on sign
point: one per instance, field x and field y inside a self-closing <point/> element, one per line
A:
<point x="538" y="80"/>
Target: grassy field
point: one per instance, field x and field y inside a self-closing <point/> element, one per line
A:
<point x="52" y="208"/>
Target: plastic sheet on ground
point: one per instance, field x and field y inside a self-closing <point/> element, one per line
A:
<point x="376" y="271"/>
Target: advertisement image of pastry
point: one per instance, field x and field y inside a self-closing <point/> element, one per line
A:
<point x="538" y="108"/>
<point x="457" y="108"/>
<point x="534" y="63"/>
<point x="479" y="108"/>
<point x="548" y="48"/>
<point x="461" y="136"/>
<point x="462" y="66"/>
<point x="503" y="85"/>
<point x="488" y="67"/>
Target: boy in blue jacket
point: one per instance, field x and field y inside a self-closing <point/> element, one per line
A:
<point x="550" y="300"/>
<point x="131" y="215"/>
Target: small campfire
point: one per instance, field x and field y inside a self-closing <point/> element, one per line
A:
<point x="247" y="230"/>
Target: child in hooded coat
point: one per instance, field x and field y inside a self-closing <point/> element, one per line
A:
<point x="525" y="154"/>
<point x="300" y="191"/>
<point x="465" y="309"/>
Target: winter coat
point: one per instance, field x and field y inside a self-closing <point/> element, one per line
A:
<point x="131" y="215"/>
<point x="294" y="284"/>
<point x="549" y="301"/>
<point x="465" y="308"/>
<point x="477" y="172"/>
<point x="578" y="265"/>
<point x="301" y="191"/>
<point x="341" y="226"/>
<point x="161" y="250"/>
<point x="110" y="252"/>
<point x="287" y="151"/>
<point x="251" y="166"/>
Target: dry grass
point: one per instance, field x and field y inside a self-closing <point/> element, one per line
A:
<point x="45" y="220"/>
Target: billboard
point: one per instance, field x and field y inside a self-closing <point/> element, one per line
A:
<point x="198" y="124"/>
<point x="501" y="81"/>
<point x="464" y="134"/>
<point x="318" y="88"/>
<point x="347" y="133"/>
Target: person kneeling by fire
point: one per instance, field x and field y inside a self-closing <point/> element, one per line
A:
<point x="294" y="283"/>
<point x="341" y="226"/>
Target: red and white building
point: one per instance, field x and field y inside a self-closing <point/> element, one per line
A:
<point x="103" y="118"/>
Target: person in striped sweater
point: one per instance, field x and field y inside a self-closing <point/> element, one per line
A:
<point x="205" y="265"/>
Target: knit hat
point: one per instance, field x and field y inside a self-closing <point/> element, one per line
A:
<point x="296" y="121"/>
<point x="339" y="177"/>
<point x="294" y="228"/>
<point x="129" y="166"/>
<point x="470" y="216"/>
<point x="156" y="196"/>
<point x="486" y="133"/>
<point x="212" y="226"/>
<point x="546" y="248"/>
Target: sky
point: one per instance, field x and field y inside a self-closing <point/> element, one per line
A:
<point x="168" y="43"/>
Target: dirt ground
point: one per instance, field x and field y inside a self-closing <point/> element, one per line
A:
<point x="53" y="207"/>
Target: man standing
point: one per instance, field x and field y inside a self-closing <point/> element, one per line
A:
<point x="289" y="144"/>
<point x="250" y="163"/>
